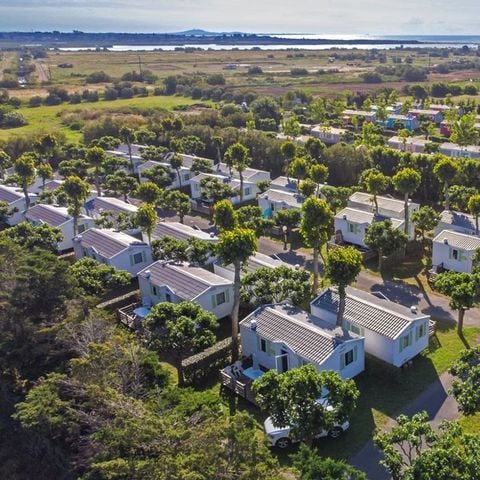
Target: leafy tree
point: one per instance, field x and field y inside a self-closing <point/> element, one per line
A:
<point x="201" y="165"/>
<point x="289" y="218"/>
<point x="214" y="190"/>
<point x="315" y="148"/>
<point x="336" y="197"/>
<point x="96" y="157"/>
<point x="292" y="398"/>
<point x="224" y="215"/>
<point x="121" y="183"/>
<point x="425" y="219"/>
<point x="238" y="156"/>
<point x="307" y="187"/>
<point x="76" y="167"/>
<point x="291" y="127"/>
<point x="29" y="237"/>
<point x="180" y="330"/>
<point x="466" y="386"/>
<point x="375" y="183"/>
<point x="236" y="247"/>
<point x="127" y="136"/>
<point x="342" y="268"/>
<point x="178" y="202"/>
<point x="298" y="169"/>
<point x="5" y="162"/>
<point x="463" y="131"/>
<point x="146" y="218"/>
<point x="250" y="216"/>
<point x="121" y="221"/>
<point x="176" y="162"/>
<point x="160" y="175"/>
<point x="25" y="172"/>
<point x="404" y="134"/>
<point x="384" y="239"/>
<point x="168" y="248"/>
<point x="445" y="170"/>
<point x="315" y="227"/>
<point x="77" y="191"/>
<point x="275" y="285"/>
<point x="474" y="208"/>
<point x="288" y="150"/>
<point x="218" y="143"/>
<point x="319" y="174"/>
<point x="406" y="181"/>
<point x="6" y="211"/>
<point x="313" y="467"/>
<point x="45" y="172"/>
<point x="148" y="192"/>
<point x="462" y="288"/>
<point x="95" y="278"/>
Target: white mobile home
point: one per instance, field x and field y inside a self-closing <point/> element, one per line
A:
<point x="456" y="221"/>
<point x="327" y="134"/>
<point x="273" y="201"/>
<point x="175" y="283"/>
<point x="392" y="332"/>
<point x="282" y="337"/>
<point x="113" y="248"/>
<point x="60" y="218"/>
<point x="180" y="231"/>
<point x="14" y="197"/>
<point x="454" y="251"/>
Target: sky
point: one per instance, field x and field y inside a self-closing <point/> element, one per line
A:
<point x="343" y="17"/>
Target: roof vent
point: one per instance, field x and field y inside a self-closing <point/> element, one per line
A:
<point x="413" y="309"/>
<point x="297" y="266"/>
<point x="253" y="325"/>
<point x="344" y="216"/>
<point x="212" y="235"/>
<point x="147" y="273"/>
<point x="445" y="241"/>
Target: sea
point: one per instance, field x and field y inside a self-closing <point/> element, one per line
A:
<point x="428" y="41"/>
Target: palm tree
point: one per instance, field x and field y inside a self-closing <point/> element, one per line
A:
<point x="218" y="144"/>
<point x="126" y="135"/>
<point x="375" y="183"/>
<point x="464" y="131"/>
<point x="235" y="248"/>
<point x="446" y="169"/>
<point x="77" y="191"/>
<point x="176" y="161"/>
<point x="96" y="157"/>
<point x="406" y="181"/>
<point x="403" y="134"/>
<point x="25" y="171"/>
<point x="238" y="156"/>
<point x="146" y="218"/>
<point x="45" y="172"/>
<point x="474" y="208"/>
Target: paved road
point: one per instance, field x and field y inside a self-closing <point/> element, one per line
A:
<point x="434" y="400"/>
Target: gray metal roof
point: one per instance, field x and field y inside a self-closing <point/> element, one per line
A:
<point x="458" y="219"/>
<point x="259" y="260"/>
<point x="53" y="184"/>
<point x="308" y="336"/>
<point x="458" y="240"/>
<point x="362" y="217"/>
<point x="185" y="281"/>
<point x="112" y="204"/>
<point x="9" y="194"/>
<point x="50" y="214"/>
<point x="288" y="198"/>
<point x="180" y="232"/>
<point x="284" y="183"/>
<point x="365" y="199"/>
<point x="108" y="243"/>
<point x="387" y="318"/>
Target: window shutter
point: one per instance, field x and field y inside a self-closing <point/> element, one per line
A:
<point x="417" y="333"/>
<point x="214" y="301"/>
<point x="270" y="349"/>
<point x="342" y="361"/>
<point x="131" y="260"/>
<point x="355" y="353"/>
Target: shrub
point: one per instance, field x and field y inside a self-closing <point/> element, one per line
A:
<point x="298" y="72"/>
<point x="255" y="70"/>
<point x="371" y="77"/>
<point x="98" y="77"/>
<point x="110" y="94"/>
<point x="35" y="101"/>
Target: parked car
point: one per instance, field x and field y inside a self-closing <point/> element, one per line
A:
<point x="280" y="436"/>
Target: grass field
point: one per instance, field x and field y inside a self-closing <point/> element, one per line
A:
<point x="46" y="118"/>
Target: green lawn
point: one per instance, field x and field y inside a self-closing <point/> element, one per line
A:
<point x="471" y="424"/>
<point x="47" y="118"/>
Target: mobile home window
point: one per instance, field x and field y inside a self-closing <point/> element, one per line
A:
<point x="405" y="341"/>
<point x="220" y="298"/>
<point x="137" y="258"/>
<point x="455" y="254"/>
<point x="248" y="191"/>
<point x="349" y="357"/>
<point x="168" y="298"/>
<point x="263" y="345"/>
<point x="351" y="228"/>
<point x="421" y="331"/>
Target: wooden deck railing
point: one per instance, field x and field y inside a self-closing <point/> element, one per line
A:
<point x="241" y="386"/>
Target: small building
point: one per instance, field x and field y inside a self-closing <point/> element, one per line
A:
<point x="256" y="261"/>
<point x="175" y="283"/>
<point x="454" y="150"/>
<point x="434" y="116"/>
<point x="180" y="231"/>
<point x="281" y="337"/>
<point x="393" y="333"/>
<point x="273" y="201"/>
<point x="454" y="251"/>
<point x="58" y="217"/>
<point x="15" y="199"/>
<point x="284" y="183"/>
<point x="408" y="122"/>
<point x="410" y="144"/>
<point x="100" y="205"/>
<point x="348" y="114"/>
<point x="456" y="221"/>
<point x="117" y="249"/>
<point x="328" y="135"/>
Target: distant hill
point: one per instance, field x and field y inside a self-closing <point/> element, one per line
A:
<point x="198" y="32"/>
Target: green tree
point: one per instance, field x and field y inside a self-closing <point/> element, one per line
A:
<point x="148" y="192"/>
<point x="146" y="218"/>
<point x="250" y="216"/>
<point x="275" y="285"/>
<point x="238" y="156"/>
<point x="404" y="134"/>
<point x="96" y="157"/>
<point x="121" y="183"/>
<point x="94" y="278"/>
<point x="291" y="127"/>
<point x="5" y="162"/>
<point x="29" y="237"/>
<point x="342" y="268"/>
<point x="45" y="172"/>
<point x="375" y="183"/>
<point x="463" y="131"/>
<point x="384" y="239"/>
<point x="224" y="216"/>
<point x="176" y="162"/>
<point x="288" y="150"/>
<point x="446" y="170"/>
<point x="218" y="143"/>
<point x="214" y="190"/>
<point x="466" y="386"/>
<point x="236" y="247"/>
<point x="474" y="208"/>
<point x="298" y="169"/>
<point x="168" y="248"/>
<point x="178" y="202"/>
<point x="315" y="148"/>
<point x="319" y="174"/>
<point x="292" y="398"/>
<point x="406" y="181"/>
<point x="313" y="467"/>
<point x="127" y="136"/>
<point x="160" y="175"/>
<point x="25" y="171"/>
<point x="462" y="288"/>
<point x="77" y="191"/>
<point x="288" y="218"/>
<point x="180" y="330"/>
<point x="307" y="187"/>
<point x="315" y="227"/>
<point x="425" y="219"/>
